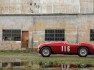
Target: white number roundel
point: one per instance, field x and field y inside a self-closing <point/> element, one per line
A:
<point x="65" y="48"/>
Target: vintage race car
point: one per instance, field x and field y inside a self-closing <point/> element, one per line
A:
<point x="82" y="49"/>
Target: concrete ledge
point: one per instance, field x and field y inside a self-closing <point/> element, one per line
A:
<point x="48" y="14"/>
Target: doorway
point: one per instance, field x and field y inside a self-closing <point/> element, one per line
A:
<point x="25" y="37"/>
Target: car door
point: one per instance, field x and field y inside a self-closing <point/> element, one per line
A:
<point x="71" y="48"/>
<point x="65" y="48"/>
<point x="57" y="47"/>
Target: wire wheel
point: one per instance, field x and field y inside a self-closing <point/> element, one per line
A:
<point x="46" y="52"/>
<point x="83" y="52"/>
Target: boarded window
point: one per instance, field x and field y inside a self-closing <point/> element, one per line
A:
<point x="11" y="35"/>
<point x="92" y="35"/>
<point x="54" y="35"/>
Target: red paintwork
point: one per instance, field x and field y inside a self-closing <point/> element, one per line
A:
<point x="56" y="47"/>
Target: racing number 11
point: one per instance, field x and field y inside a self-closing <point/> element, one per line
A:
<point x="65" y="48"/>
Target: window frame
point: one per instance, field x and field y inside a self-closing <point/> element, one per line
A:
<point x="14" y="35"/>
<point x="54" y="35"/>
<point x="91" y="34"/>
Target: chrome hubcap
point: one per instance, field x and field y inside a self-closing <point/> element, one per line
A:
<point x="45" y="52"/>
<point x="83" y="52"/>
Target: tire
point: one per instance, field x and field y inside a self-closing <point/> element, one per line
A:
<point x="45" y="52"/>
<point x="83" y="52"/>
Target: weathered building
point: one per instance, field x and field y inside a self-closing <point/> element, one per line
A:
<point x="48" y="6"/>
<point x="27" y="23"/>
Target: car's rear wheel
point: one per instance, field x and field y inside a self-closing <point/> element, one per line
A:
<point x="83" y="52"/>
<point x="45" y="52"/>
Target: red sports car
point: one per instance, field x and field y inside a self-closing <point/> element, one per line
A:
<point x="82" y="49"/>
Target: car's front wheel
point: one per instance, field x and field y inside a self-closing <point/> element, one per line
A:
<point x="83" y="52"/>
<point x="45" y="52"/>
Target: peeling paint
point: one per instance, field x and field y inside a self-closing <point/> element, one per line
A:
<point x="48" y="6"/>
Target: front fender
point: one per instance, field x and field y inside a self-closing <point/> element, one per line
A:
<point x="89" y="46"/>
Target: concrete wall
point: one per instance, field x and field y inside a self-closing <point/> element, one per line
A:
<point x="14" y="22"/>
<point x="73" y="25"/>
<point x="86" y="6"/>
<point x="48" y="6"/>
<point x="76" y="27"/>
